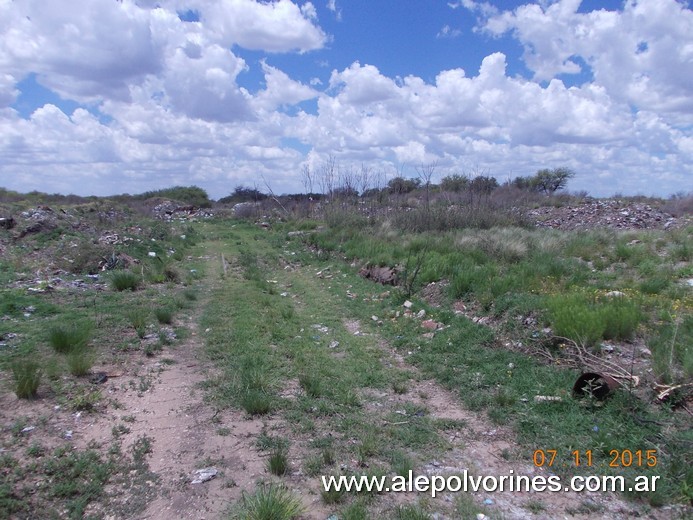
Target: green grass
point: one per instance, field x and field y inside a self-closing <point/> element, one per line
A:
<point x="80" y="360"/>
<point x="278" y="462"/>
<point x="138" y="319"/>
<point x="125" y="281"/>
<point x="164" y="315"/>
<point x="66" y="338"/>
<point x="268" y="502"/>
<point x="27" y="378"/>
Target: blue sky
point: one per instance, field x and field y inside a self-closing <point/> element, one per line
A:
<point x="112" y="97"/>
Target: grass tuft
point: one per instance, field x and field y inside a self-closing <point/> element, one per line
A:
<point x="66" y="338"/>
<point x="125" y="281"/>
<point x="269" y="502"/>
<point x="27" y="377"/>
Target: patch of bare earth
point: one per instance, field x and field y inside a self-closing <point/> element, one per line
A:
<point x="486" y="449"/>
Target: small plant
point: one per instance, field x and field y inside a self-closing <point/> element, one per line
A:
<point x="190" y="294"/>
<point x="256" y="402"/>
<point x="311" y="385"/>
<point x="138" y="320"/>
<point x="278" y="462"/>
<point x="125" y="281"/>
<point x="66" y="338"/>
<point x="269" y="502"/>
<point x="141" y="448"/>
<point x="411" y="512"/>
<point x="332" y="495"/>
<point x="164" y="315"/>
<point x="80" y="360"/>
<point x="27" y="377"/>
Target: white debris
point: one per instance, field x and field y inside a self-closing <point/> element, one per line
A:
<point x="203" y="475"/>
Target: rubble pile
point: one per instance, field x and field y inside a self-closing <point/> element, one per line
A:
<point x="612" y="214"/>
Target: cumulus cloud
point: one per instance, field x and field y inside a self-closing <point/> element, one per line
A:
<point x="279" y="26"/>
<point x="166" y="104"/>
<point x="642" y="55"/>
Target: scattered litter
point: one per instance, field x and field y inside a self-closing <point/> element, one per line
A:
<point x="481" y="516"/>
<point x="407" y="304"/>
<point x="547" y="398"/>
<point x="421" y="314"/>
<point x="68" y="434"/>
<point x="321" y="328"/>
<point x="204" y="475"/>
<point x="99" y="378"/>
<point x="334" y="344"/>
<point x="28" y="429"/>
<point x="614" y="294"/>
<point x="151" y="254"/>
<point x="488" y="502"/>
<point x="284" y="294"/>
<point x="374" y="318"/>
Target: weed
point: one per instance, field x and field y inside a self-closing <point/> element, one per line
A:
<point x="164" y="315"/>
<point x="190" y="294"/>
<point x="411" y="512"/>
<point x="311" y="385"/>
<point x="141" y="448"/>
<point x="125" y="281"/>
<point x="138" y="320"/>
<point x="278" y="462"/>
<point x="66" y="338"/>
<point x="36" y="450"/>
<point x="534" y="506"/>
<point x="269" y="501"/>
<point x="80" y="360"/>
<point x="332" y="495"/>
<point x="256" y="402"/>
<point x="119" y="430"/>
<point x="27" y="377"/>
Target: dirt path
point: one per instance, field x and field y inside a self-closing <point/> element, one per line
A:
<point x="165" y="403"/>
<point x="483" y="449"/>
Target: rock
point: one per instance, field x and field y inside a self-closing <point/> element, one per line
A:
<point x="421" y="314"/>
<point x="430" y="324"/>
<point x="383" y="275"/>
<point x="7" y="222"/>
<point x="407" y="304"/>
<point x="645" y="352"/>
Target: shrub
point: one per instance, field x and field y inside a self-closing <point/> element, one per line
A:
<point x="27" y="377"/>
<point x="66" y="338"/>
<point x="586" y="319"/>
<point x="125" y="280"/>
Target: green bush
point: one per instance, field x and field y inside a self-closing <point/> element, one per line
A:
<point x="586" y="320"/>
<point x="27" y="377"/>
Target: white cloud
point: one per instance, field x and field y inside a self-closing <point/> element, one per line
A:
<point x="642" y="55"/>
<point x="448" y="32"/>
<point x="175" y="111"/>
<point x="332" y="6"/>
<point x="281" y="90"/>
<point x="278" y="26"/>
